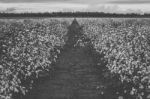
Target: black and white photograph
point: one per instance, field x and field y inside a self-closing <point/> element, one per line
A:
<point x="74" y="49"/>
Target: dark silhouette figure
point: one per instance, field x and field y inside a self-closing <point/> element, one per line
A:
<point x="76" y="37"/>
<point x="74" y="34"/>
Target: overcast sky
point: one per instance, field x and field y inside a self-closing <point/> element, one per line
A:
<point x="75" y="5"/>
<point x="78" y="1"/>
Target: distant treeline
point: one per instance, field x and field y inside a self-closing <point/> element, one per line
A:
<point x="74" y="14"/>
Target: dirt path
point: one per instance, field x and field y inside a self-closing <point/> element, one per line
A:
<point x="75" y="78"/>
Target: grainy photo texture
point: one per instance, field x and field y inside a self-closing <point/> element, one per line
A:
<point x="74" y="49"/>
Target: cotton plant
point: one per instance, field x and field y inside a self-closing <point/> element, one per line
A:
<point x="27" y="49"/>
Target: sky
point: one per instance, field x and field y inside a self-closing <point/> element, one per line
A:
<point x="111" y="6"/>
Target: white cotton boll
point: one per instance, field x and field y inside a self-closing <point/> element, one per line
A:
<point x="120" y="97"/>
<point x="1" y="66"/>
